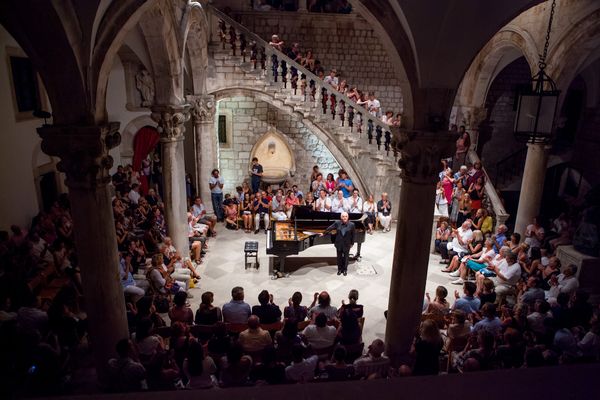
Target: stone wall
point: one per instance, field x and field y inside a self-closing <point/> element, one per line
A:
<point x="496" y="139"/>
<point x="587" y="146"/>
<point x="251" y="120"/>
<point x="344" y="42"/>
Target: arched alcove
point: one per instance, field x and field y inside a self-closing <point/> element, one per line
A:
<point x="275" y="155"/>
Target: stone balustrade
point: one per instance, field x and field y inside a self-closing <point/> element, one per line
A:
<point x="296" y="80"/>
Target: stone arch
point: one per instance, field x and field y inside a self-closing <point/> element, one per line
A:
<point x="576" y="50"/>
<point x="506" y="46"/>
<point x="128" y="134"/>
<point x="117" y="29"/>
<point x="196" y="36"/>
<point x="161" y="32"/>
<point x="274" y="134"/>
<point x="345" y="161"/>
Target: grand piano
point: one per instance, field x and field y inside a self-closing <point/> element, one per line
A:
<point x="301" y="231"/>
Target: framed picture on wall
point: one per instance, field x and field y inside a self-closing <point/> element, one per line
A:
<point x="26" y="86"/>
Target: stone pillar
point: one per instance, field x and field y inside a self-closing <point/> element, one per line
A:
<point x="205" y="141"/>
<point x="170" y="120"/>
<point x="420" y="156"/>
<point x="83" y="151"/>
<point x="532" y="186"/>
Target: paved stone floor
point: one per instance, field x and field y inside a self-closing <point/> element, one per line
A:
<point x="311" y="271"/>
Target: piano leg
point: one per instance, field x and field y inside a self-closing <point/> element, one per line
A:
<point x="357" y="256"/>
<point x="279" y="272"/>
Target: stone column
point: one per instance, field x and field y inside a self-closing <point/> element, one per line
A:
<point x="170" y="120"/>
<point x="302" y="6"/>
<point x="420" y="155"/>
<point x="532" y="186"/>
<point x="83" y="151"/>
<point x="205" y="141"/>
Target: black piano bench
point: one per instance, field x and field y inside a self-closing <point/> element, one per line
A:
<point x="251" y="250"/>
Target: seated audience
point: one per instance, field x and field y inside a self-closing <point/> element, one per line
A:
<point x="373" y="364"/>
<point x="267" y="311"/>
<point x="323" y="307"/>
<point x="236" y="311"/>
<point x="294" y="310"/>
<point x="337" y="369"/>
<point x="127" y="374"/>
<point x="439" y="305"/>
<point x="269" y="370"/>
<point x="469" y="304"/>
<point x="384" y="212"/>
<point x="181" y="312"/>
<point x="490" y="321"/>
<point x="301" y="370"/>
<point x="207" y="314"/>
<point x="427" y="347"/>
<point x="254" y="339"/>
<point x="235" y="367"/>
<point x="320" y="335"/>
<point x="198" y="368"/>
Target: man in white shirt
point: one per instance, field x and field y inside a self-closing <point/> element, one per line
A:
<point x="355" y="203"/>
<point x="373" y="105"/>
<point x="462" y="237"/>
<point x="332" y="79"/>
<point x="301" y="370"/>
<point x="216" y="182"/>
<point x="564" y="283"/>
<point x="339" y="204"/>
<point x="199" y="213"/>
<point x="320" y="335"/>
<point x="507" y="274"/>
<point x="277" y="207"/>
<point x="323" y="202"/>
<point x="134" y="193"/>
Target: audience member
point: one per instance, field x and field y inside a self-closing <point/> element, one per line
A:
<point x="236" y="311"/>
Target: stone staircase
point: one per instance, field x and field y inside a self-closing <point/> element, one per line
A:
<point x="242" y="62"/>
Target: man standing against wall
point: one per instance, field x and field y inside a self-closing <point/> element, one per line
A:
<point x="216" y="183"/>
<point x="256" y="173"/>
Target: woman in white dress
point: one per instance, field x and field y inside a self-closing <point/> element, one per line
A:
<point x="370" y="209"/>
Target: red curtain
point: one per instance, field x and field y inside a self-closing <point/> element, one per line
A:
<point x="144" y="142"/>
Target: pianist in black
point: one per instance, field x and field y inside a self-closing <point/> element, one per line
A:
<point x="344" y="240"/>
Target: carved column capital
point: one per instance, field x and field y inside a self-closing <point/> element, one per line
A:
<point x="421" y="152"/>
<point x="83" y="151"/>
<point x="170" y="120"/>
<point x="203" y="108"/>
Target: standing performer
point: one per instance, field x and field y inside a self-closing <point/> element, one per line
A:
<point x="344" y="240"/>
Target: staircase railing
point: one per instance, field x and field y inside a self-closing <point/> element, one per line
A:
<point x="495" y="203"/>
<point x="510" y="166"/>
<point x="315" y="92"/>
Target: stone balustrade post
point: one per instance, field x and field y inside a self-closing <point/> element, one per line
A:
<point x="318" y="98"/>
<point x="421" y="153"/>
<point x="205" y="143"/>
<point x="170" y="120"/>
<point x="83" y="151"/>
<point x="302" y="6"/>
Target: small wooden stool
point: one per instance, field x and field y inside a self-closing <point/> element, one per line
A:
<point x="250" y="250"/>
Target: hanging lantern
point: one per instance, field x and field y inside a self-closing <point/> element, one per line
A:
<point x="537" y="106"/>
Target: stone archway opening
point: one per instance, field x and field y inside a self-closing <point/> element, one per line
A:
<point x="276" y="157"/>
